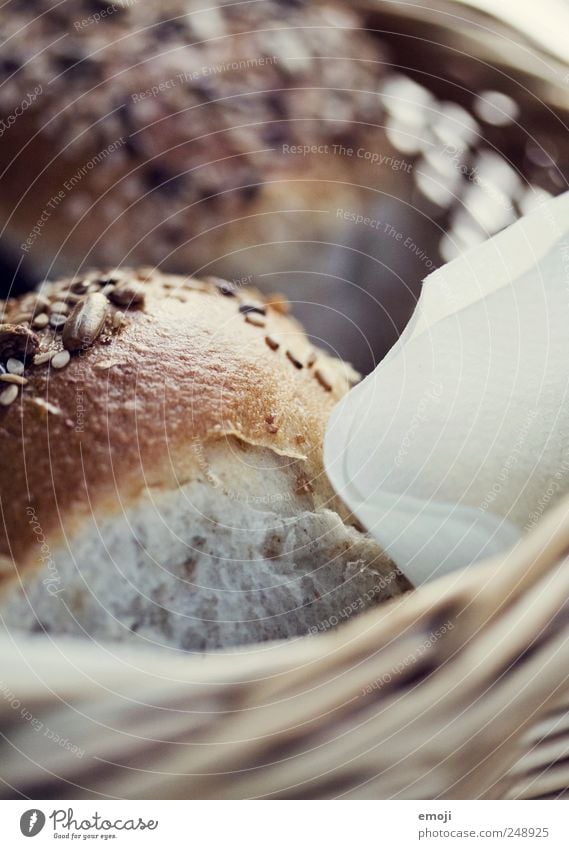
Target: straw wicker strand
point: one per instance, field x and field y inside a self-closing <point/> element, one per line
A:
<point x="458" y="690"/>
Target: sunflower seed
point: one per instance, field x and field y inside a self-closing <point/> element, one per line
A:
<point x="60" y="359"/>
<point x="8" y="395"/>
<point x="85" y="322"/>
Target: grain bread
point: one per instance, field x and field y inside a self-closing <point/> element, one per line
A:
<point x="196" y="132"/>
<point x="161" y="473"/>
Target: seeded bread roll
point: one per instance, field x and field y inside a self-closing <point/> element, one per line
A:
<point x="191" y="133"/>
<point x="161" y="470"/>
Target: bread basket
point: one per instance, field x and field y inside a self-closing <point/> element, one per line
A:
<point x="457" y="690"/>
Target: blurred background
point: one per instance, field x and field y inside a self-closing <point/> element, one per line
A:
<point x="464" y="119"/>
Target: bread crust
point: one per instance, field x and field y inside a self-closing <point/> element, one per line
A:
<point x="138" y="407"/>
<point x="177" y="136"/>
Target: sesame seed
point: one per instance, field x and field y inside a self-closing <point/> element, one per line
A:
<point x="105" y="365"/>
<point x="60" y="359"/>
<point x="57" y="320"/>
<point x="59" y="307"/>
<point x="255" y="320"/>
<point x="16" y="379"/>
<point x="15" y="366"/>
<point x="45" y="405"/>
<point x="8" y="395"/>
<point x="41" y="320"/>
<point x="40" y="359"/>
<point x="23" y="318"/>
<point x="311" y="359"/>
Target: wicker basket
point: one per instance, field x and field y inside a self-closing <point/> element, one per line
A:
<point x="457" y="690"/>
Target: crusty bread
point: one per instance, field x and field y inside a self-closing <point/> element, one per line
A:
<point x="161" y="472"/>
<point x="184" y="133"/>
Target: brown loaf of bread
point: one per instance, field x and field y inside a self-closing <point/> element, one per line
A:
<point x="161" y="472"/>
<point x="195" y="132"/>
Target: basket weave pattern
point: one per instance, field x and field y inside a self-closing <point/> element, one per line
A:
<point x="457" y="690"/>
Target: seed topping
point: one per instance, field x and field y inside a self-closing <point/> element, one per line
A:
<point x="253" y="308"/>
<point x="57" y="320"/>
<point x="272" y="341"/>
<point x="42" y="358"/>
<point x="41" y="320"/>
<point x="294" y="359"/>
<point x="60" y="359"/>
<point x="255" y="320"/>
<point x="128" y="294"/>
<point x="14" y="366"/>
<point x="85" y="322"/>
<point x="16" y="379"/>
<point x="8" y="396"/>
<point x="324" y="378"/>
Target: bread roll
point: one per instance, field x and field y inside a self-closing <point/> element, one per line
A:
<point x="170" y="134"/>
<point x="161" y="471"/>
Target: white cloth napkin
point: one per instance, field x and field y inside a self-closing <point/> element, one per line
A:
<point x="458" y="442"/>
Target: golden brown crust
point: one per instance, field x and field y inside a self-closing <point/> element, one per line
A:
<point x="182" y="128"/>
<point x="193" y="361"/>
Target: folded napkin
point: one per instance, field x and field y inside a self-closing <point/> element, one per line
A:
<point x="458" y="442"/>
